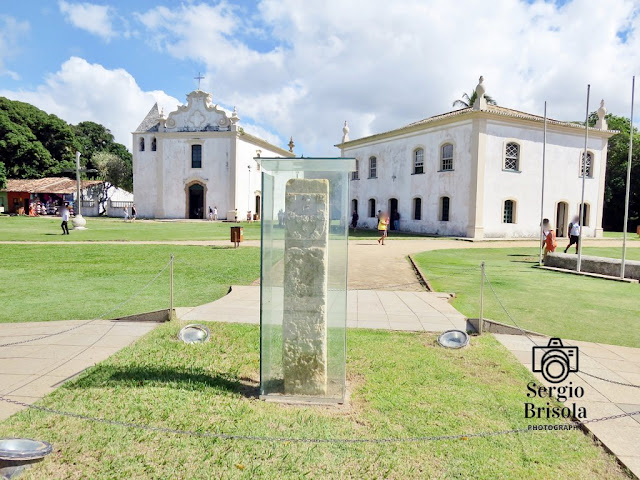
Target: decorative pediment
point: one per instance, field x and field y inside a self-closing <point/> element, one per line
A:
<point x="198" y="115"/>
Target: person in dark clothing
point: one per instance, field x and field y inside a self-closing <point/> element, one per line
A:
<point x="354" y="219"/>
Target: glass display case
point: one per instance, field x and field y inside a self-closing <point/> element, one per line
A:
<point x="303" y="281"/>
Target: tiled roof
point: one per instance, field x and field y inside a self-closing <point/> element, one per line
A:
<point x="57" y="185"/>
<point x="151" y="121"/>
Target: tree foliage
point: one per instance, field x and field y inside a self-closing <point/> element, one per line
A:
<point x="35" y="144"/>
<point x="3" y="176"/>
<point x="114" y="170"/>
<point x="467" y="101"/>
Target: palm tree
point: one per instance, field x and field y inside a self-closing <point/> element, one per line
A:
<point x="468" y="101"/>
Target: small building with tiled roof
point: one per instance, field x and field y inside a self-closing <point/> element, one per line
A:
<point x="476" y="172"/>
<point x="197" y="158"/>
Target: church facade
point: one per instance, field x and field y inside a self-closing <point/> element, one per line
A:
<point x="195" y="158"/>
<point x="477" y="173"/>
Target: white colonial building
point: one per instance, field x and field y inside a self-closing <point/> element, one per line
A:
<point x="197" y="157"/>
<point x="477" y="172"/>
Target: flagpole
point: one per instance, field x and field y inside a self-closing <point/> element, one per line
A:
<point x="584" y="177"/>
<point x="626" y="198"/>
<point x="544" y="151"/>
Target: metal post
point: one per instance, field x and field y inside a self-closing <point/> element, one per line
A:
<point x="78" y="208"/>
<point x="171" y="288"/>
<point x="481" y="319"/>
<point x="584" y="177"/>
<point x="626" y="198"/>
<point x="544" y="151"/>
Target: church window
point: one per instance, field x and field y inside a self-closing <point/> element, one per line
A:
<point x="418" y="161"/>
<point x="588" y="165"/>
<point x="373" y="167"/>
<point x="372" y="208"/>
<point x="446" y="157"/>
<point x="153" y="144"/>
<point x="444" y="209"/>
<point x="142" y="144"/>
<point x="585" y="215"/>
<point x="196" y="156"/>
<point x="509" y="212"/>
<point x="355" y="175"/>
<point x="417" y="209"/>
<point x="512" y="157"/>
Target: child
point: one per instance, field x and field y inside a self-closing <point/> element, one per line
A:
<point x="550" y="242"/>
<point x="383" y="222"/>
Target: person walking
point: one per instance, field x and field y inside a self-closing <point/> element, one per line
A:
<point x="396" y="220"/>
<point x="574" y="233"/>
<point x="383" y="224"/>
<point x="64" y="215"/>
<point x="134" y="213"/>
<point x="215" y="212"/>
<point x="125" y="211"/>
<point x="550" y="242"/>
<point x="210" y="213"/>
<point x="354" y="220"/>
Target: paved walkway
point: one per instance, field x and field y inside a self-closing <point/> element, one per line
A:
<point x="601" y="398"/>
<point x="30" y="371"/>
<point x="410" y="311"/>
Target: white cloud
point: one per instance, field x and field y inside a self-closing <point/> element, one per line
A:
<point x="82" y="91"/>
<point x="381" y="65"/>
<point x="11" y="30"/>
<point x="95" y="19"/>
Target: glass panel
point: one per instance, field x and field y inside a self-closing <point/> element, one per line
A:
<point x="304" y="278"/>
<point x="196" y="156"/>
<point x="445" y="209"/>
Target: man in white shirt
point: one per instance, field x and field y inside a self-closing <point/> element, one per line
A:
<point x="574" y="234"/>
<point x="64" y="214"/>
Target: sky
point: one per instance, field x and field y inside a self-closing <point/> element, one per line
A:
<point x="301" y="68"/>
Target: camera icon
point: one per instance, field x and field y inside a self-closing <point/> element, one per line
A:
<point x="555" y="361"/>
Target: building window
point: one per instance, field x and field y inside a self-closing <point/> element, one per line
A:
<point x="512" y="157"/>
<point x="418" y="161"/>
<point x="196" y="156"/>
<point x="588" y="164"/>
<point x="142" y="144"/>
<point x="153" y="144"/>
<point x="446" y="157"/>
<point x="585" y="214"/>
<point x="509" y="212"/>
<point x="417" y="209"/>
<point x="356" y="174"/>
<point x="444" y="209"/>
<point x="373" y="167"/>
<point x="372" y="208"/>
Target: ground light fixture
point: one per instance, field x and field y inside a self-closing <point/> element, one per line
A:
<point x="454" y="339"/>
<point x="194" y="333"/>
<point x="18" y="454"/>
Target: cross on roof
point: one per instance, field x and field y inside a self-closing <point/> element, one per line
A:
<point x="199" y="77"/>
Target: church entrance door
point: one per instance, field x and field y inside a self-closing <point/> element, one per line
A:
<point x="196" y="201"/>
<point x="393" y="208"/>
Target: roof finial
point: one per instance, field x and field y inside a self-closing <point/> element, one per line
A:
<point x="291" y="144"/>
<point x="602" y="122"/>
<point x="234" y="116"/>
<point x="481" y="102"/>
<point x="345" y="132"/>
<point x="199" y="77"/>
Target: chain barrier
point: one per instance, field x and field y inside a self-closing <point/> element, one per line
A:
<point x="525" y="333"/>
<point x="260" y="438"/>
<point x="100" y="317"/>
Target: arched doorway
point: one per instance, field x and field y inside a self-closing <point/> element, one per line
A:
<point x="195" y="199"/>
<point x="562" y="212"/>
<point x="393" y="208"/>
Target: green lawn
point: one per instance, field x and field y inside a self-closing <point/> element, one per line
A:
<point x="61" y="282"/>
<point x="402" y="385"/>
<point x="47" y="229"/>
<point x="556" y="304"/>
<point x="630" y="235"/>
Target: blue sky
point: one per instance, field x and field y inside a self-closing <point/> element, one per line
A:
<point x="302" y="68"/>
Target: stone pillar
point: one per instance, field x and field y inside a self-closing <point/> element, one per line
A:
<point x="304" y="328"/>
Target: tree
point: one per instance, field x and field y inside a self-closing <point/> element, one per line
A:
<point x="467" y="101"/>
<point x="115" y="172"/>
<point x="3" y="176"/>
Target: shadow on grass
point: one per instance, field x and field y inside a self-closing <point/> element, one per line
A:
<point x="192" y="379"/>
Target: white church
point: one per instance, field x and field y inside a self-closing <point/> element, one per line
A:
<point x="195" y="158"/>
<point x="477" y="173"/>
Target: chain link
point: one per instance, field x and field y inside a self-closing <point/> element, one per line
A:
<point x="260" y="438"/>
<point x="100" y="317"/>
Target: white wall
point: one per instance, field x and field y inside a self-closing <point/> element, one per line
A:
<point x="562" y="178"/>
<point x="395" y="158"/>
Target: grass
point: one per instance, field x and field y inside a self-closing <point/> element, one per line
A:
<point x="62" y="282"/>
<point x="402" y="385"/>
<point x="557" y="304"/>
<point x="47" y="229"/>
<point x="630" y="235"/>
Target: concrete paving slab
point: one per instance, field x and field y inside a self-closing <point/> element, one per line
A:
<point x="601" y="398"/>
